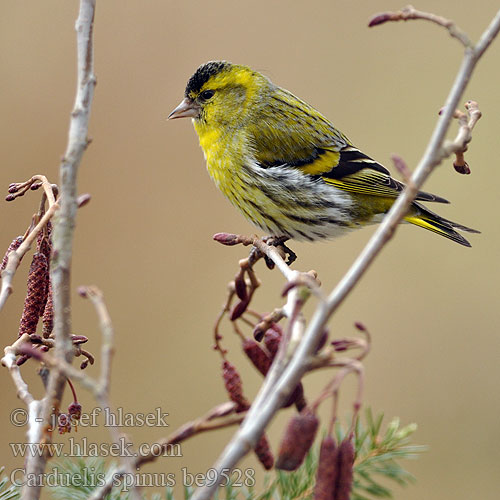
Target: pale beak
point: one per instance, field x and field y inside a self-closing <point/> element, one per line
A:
<point x="186" y="109"/>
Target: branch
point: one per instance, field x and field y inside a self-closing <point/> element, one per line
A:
<point x="467" y="123"/>
<point x="410" y="13"/>
<point x="63" y="233"/>
<point x="101" y="388"/>
<point x="9" y="361"/>
<point x="266" y="404"/>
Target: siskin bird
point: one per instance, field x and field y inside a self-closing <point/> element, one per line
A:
<point x="285" y="166"/>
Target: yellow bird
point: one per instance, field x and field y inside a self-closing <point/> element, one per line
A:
<point x="285" y="166"/>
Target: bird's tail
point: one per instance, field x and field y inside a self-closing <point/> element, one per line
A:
<point x="421" y="216"/>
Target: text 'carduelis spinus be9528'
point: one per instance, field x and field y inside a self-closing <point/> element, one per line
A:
<point x="285" y="166"/>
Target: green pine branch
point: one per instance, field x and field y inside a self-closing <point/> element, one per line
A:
<point x="7" y="490"/>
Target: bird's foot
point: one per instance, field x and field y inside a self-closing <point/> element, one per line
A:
<point x="279" y="242"/>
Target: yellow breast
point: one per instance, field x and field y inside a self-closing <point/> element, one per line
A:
<point x="224" y="154"/>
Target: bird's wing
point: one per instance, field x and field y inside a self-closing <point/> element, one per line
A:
<point x="356" y="172"/>
<point x="287" y="131"/>
<point x="290" y="133"/>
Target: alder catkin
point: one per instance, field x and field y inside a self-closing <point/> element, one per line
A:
<point x="272" y="339"/>
<point x="75" y="411"/>
<point x="44" y="242"/>
<point x="48" y="314"/>
<point x="297" y="440"/>
<point x="345" y="470"/>
<point x="234" y="386"/>
<point x="16" y="243"/>
<point x="257" y="355"/>
<point x="262" y="362"/>
<point x="36" y="294"/>
<point x="240" y="286"/>
<point x="63" y="423"/>
<point x="263" y="452"/>
<point x="326" y="475"/>
<point x="239" y="309"/>
<point x="297" y="397"/>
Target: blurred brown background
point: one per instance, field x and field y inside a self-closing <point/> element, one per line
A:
<point x="146" y="237"/>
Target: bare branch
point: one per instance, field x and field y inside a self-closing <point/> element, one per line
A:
<point x="410" y="13"/>
<point x="467" y="122"/>
<point x="106" y="326"/>
<point x="9" y="361"/>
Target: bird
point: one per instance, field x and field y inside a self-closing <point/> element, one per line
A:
<point x="285" y="166"/>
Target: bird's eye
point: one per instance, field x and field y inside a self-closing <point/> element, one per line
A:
<point x="207" y="94"/>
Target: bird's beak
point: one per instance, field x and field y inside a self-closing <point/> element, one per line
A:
<point x="186" y="109"/>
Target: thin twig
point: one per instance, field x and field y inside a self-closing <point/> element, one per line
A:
<point x="9" y="361"/>
<point x="409" y="13"/>
<point x="107" y="350"/>
<point x="18" y="189"/>
<point x="467" y="122"/>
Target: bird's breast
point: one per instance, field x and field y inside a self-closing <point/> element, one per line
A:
<point x="224" y="154"/>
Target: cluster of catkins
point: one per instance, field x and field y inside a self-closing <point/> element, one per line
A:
<point x="38" y="302"/>
<point x="334" y="476"/>
<point x="262" y="359"/>
<point x="335" y="466"/>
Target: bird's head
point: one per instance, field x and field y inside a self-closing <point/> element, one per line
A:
<point x="221" y="94"/>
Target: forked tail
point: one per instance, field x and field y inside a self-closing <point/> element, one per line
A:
<point x="421" y="216"/>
